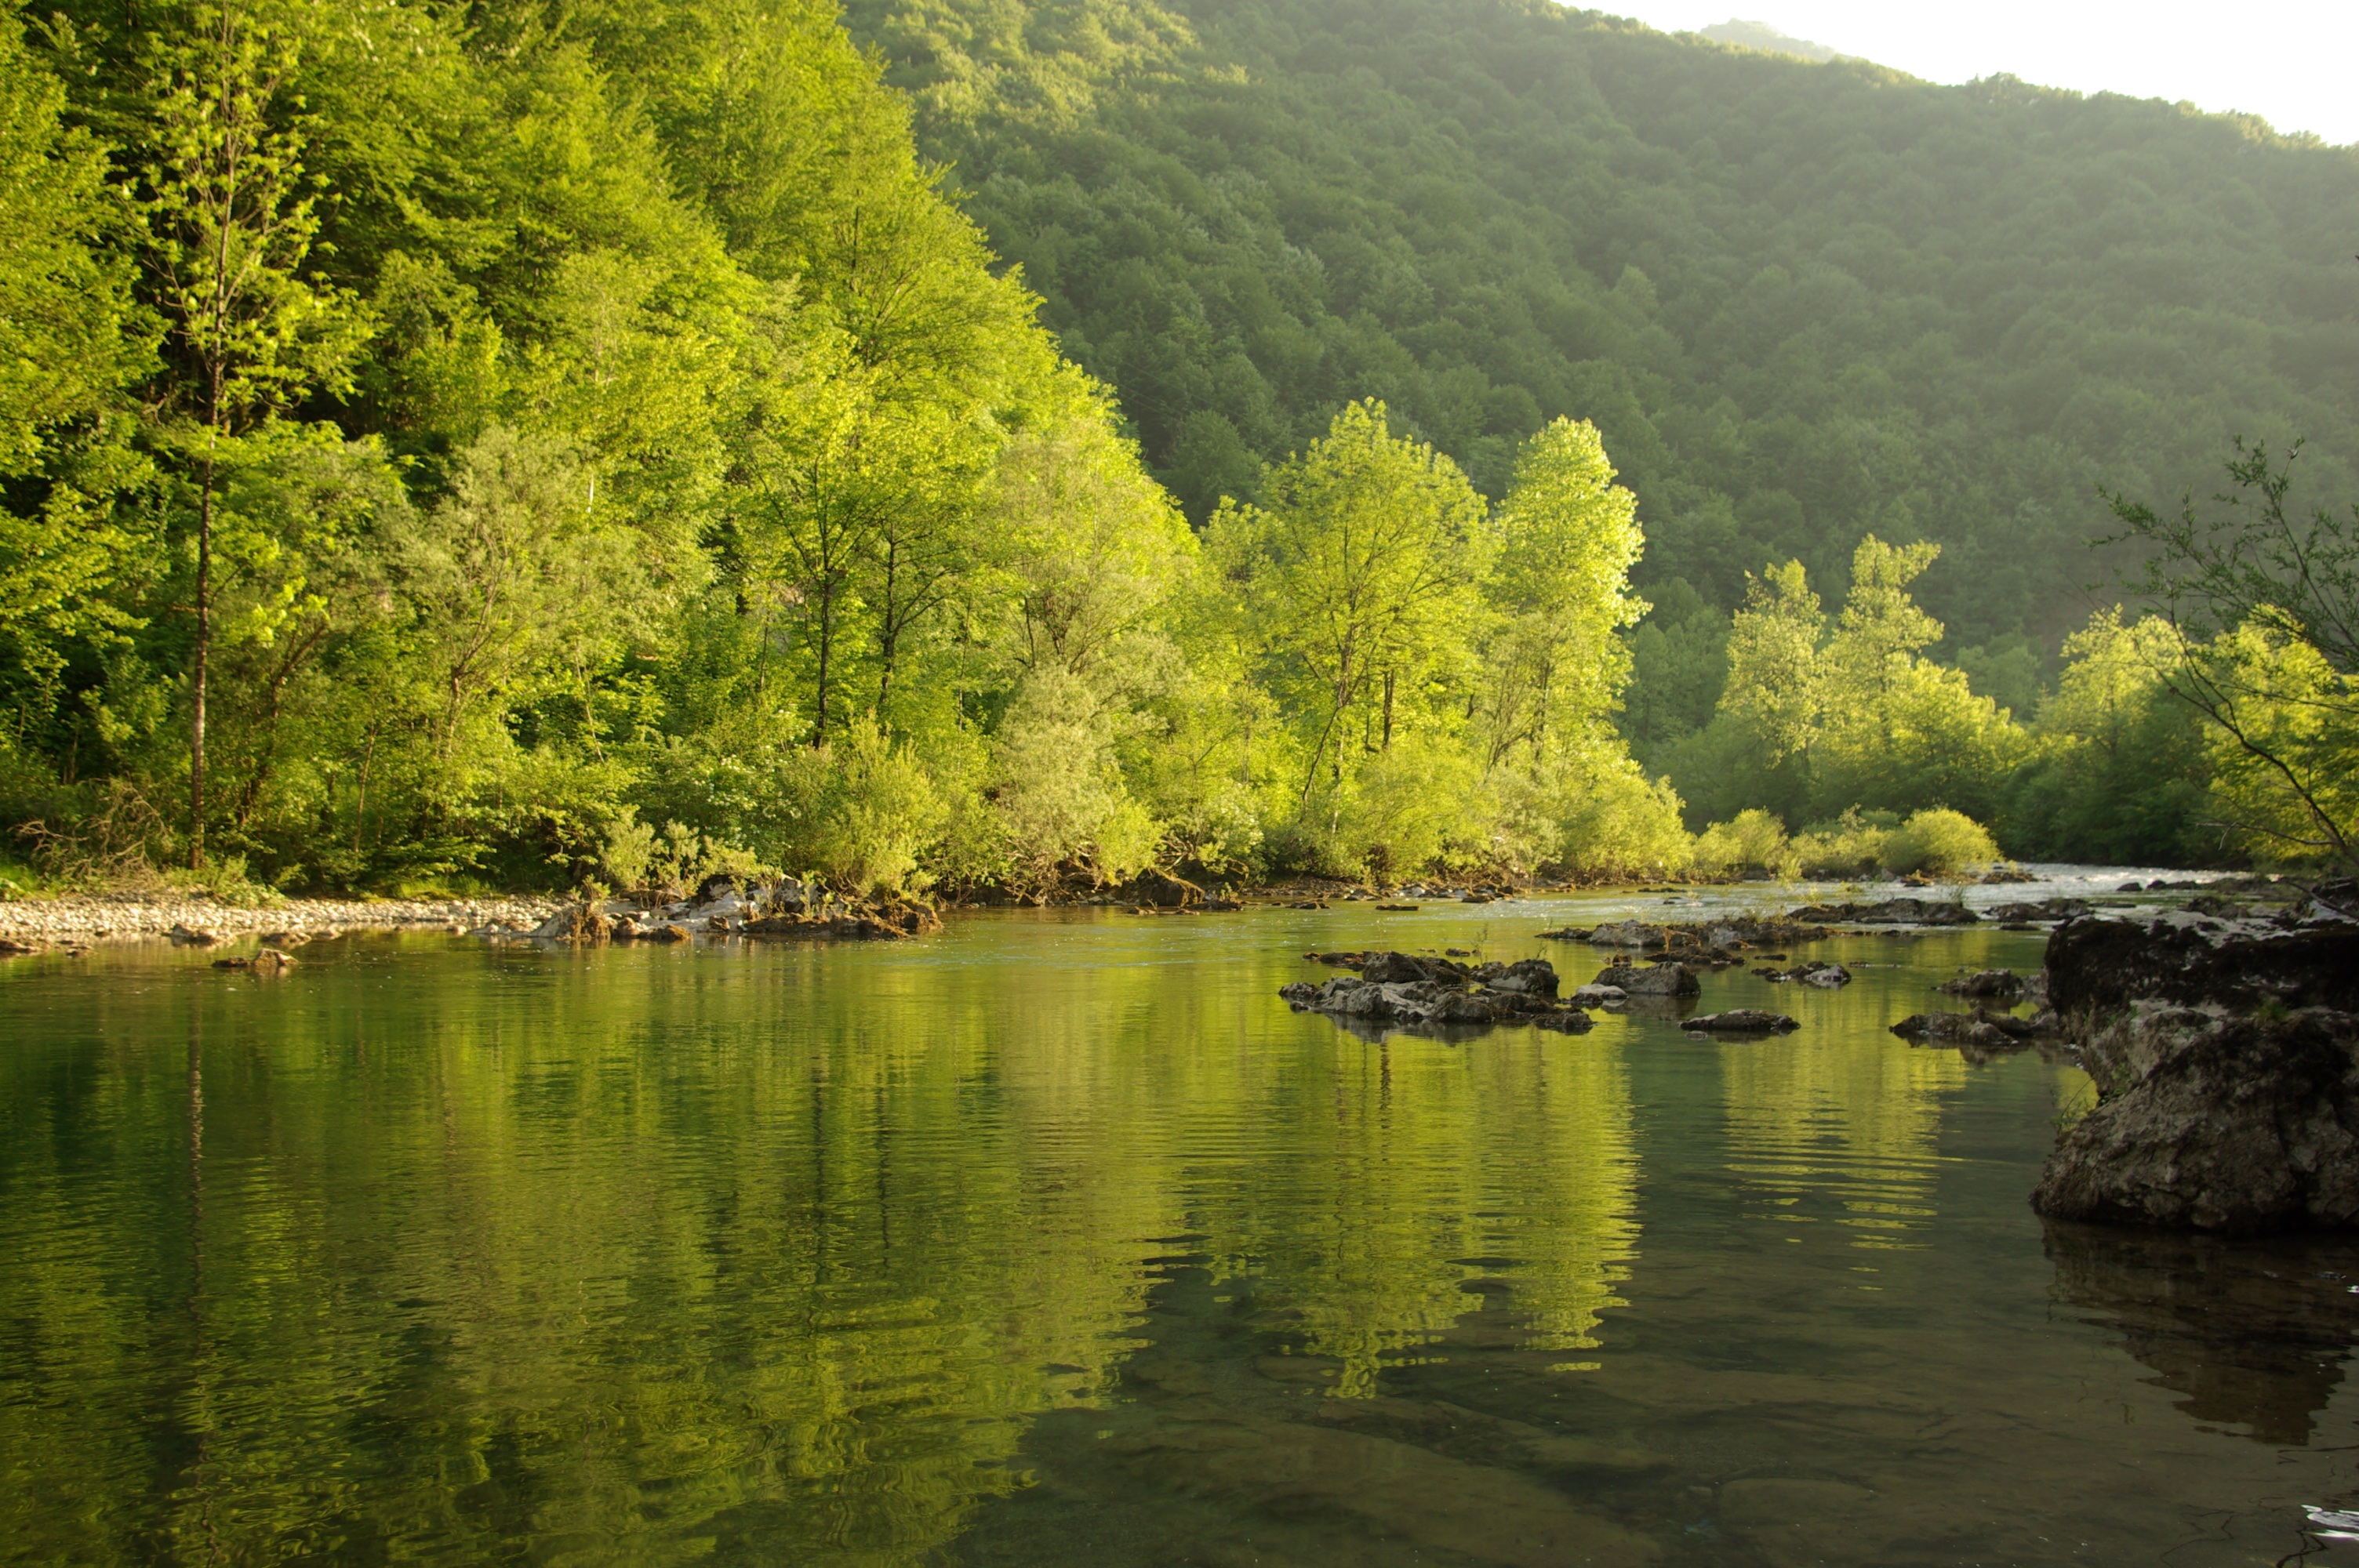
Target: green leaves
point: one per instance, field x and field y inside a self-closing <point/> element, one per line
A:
<point x="1358" y="576"/>
<point x="230" y="216"/>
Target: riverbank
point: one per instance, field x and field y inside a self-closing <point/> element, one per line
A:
<point x="79" y="918"/>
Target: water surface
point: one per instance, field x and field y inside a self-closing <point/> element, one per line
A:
<point x="1059" y="1240"/>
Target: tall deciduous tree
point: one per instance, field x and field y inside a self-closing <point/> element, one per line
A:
<point x="1773" y="661"/>
<point x="1569" y="536"/>
<point x="68" y="343"/>
<point x="231" y="223"/>
<point x="1358" y="575"/>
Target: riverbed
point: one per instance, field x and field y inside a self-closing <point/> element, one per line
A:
<point x="1057" y="1238"/>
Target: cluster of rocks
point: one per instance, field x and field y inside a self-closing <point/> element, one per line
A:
<point x="1988" y="983"/>
<point x="1389" y="897"/>
<point x="1983" y="1031"/>
<point x="786" y="908"/>
<point x="1668" y="980"/>
<point x="2046" y="910"/>
<point x="1408" y="990"/>
<point x="1890" y="912"/>
<point x="1481" y="893"/>
<point x="269" y="961"/>
<point x="2225" y="1056"/>
<point x="1711" y="944"/>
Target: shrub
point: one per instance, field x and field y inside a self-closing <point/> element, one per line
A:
<point x="1408" y="809"/>
<point x="856" y="811"/>
<point x="1752" y="841"/>
<point x="1614" y="818"/>
<point x="1059" y="794"/>
<point x="1852" y="845"/>
<point x="1939" y="843"/>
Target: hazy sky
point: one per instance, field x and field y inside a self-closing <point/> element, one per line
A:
<point x="2293" y="63"/>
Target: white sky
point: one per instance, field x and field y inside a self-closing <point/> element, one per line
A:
<point x="2293" y="63"/>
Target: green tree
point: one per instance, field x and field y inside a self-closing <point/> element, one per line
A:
<point x="1569" y="536"/>
<point x="1357" y="575"/>
<point x="231" y="223"/>
<point x="69" y="343"/>
<point x="2119" y="773"/>
<point x="1774" y="671"/>
<point x="2266" y="604"/>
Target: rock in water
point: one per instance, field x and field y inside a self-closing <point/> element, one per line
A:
<point x="2236" y="1125"/>
<point x="1891" y="911"/>
<point x="1409" y="991"/>
<point x="1650" y="979"/>
<point x="1533" y="976"/>
<point x="1984" y="983"/>
<point x="2097" y="966"/>
<point x="1955" y="1029"/>
<point x="1740" y="1021"/>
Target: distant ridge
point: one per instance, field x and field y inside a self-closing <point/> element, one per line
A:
<point x="1762" y="35"/>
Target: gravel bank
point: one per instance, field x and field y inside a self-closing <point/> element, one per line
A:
<point x="130" y="916"/>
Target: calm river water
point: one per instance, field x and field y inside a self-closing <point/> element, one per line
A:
<point x="1059" y="1240"/>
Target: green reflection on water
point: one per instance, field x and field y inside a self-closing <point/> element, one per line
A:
<point x="1053" y="1240"/>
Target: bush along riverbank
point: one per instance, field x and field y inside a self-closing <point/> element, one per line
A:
<point x="2224" y="1042"/>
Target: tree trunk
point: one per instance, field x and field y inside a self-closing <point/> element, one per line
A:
<point x="197" y="669"/>
<point x="890" y="636"/>
<point x="826" y="650"/>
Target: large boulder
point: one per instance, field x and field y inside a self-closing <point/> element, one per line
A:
<point x="2097" y="968"/>
<point x="1650" y="979"/>
<point x="2231" y="1124"/>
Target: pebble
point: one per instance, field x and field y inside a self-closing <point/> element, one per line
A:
<point x="128" y="916"/>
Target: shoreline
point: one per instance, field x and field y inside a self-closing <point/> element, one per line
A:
<point x="81" y="918"/>
<point x="31" y="923"/>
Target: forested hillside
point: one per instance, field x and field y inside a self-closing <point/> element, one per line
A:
<point x="1804" y="302"/>
<point x="542" y="445"/>
<point x="545" y="446"/>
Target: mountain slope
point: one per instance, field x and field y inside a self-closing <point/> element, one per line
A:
<point x="1762" y="35"/>
<point x="1803" y="302"/>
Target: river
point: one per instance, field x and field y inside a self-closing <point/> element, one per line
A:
<point x="1056" y="1238"/>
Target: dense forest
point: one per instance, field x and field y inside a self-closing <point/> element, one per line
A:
<point x="549" y="446"/>
<point x="541" y="444"/>
<point x="1805" y="302"/>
